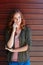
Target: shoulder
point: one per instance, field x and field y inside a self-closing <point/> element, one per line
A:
<point x="7" y="34"/>
<point x="27" y="29"/>
<point x="6" y="29"/>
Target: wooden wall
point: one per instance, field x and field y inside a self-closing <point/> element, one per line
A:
<point x="33" y="13"/>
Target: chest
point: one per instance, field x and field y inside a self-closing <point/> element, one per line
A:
<point x="20" y="40"/>
<point x="16" y="42"/>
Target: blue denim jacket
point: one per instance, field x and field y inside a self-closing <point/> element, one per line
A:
<point x="24" y="38"/>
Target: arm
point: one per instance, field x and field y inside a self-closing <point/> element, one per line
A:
<point x="24" y="48"/>
<point x="11" y="40"/>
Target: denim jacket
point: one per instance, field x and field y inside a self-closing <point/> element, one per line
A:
<point x="24" y="38"/>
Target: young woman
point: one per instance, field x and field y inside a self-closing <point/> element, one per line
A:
<point x="18" y="39"/>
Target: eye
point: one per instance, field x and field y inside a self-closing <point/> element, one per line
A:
<point x="15" y="18"/>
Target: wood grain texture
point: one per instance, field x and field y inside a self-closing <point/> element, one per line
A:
<point x="20" y="5"/>
<point x="27" y="11"/>
<point x="21" y="1"/>
<point x="33" y="14"/>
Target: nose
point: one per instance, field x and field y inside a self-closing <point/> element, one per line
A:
<point x="17" y="19"/>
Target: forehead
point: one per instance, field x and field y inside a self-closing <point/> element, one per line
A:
<point x="17" y="15"/>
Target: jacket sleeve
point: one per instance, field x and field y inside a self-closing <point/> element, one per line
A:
<point x="7" y="36"/>
<point x="28" y="37"/>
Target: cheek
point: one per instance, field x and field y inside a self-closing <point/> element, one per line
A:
<point x="15" y="21"/>
<point x="19" y="21"/>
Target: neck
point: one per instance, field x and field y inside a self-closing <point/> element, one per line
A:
<point x="18" y="28"/>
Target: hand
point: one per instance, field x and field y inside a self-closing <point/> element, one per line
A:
<point x="11" y="50"/>
<point x="6" y="47"/>
<point x="15" y="26"/>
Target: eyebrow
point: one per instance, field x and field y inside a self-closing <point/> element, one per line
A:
<point x="18" y="16"/>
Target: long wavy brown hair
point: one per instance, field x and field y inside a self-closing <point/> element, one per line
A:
<point x="11" y="21"/>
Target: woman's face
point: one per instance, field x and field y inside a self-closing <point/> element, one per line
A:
<point x="17" y="18"/>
